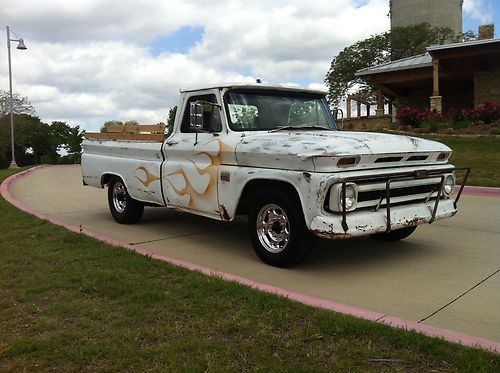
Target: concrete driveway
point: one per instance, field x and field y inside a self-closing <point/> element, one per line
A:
<point x="446" y="275"/>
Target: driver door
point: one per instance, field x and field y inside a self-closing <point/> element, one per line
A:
<point x="192" y="161"/>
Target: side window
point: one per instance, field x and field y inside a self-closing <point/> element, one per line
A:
<point x="211" y="114"/>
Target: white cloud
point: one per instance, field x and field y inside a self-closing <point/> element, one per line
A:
<point x="91" y="61"/>
<point x="478" y="10"/>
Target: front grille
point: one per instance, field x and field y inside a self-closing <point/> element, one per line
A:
<point x="373" y="193"/>
<point x="417" y="158"/>
<point x="388" y="159"/>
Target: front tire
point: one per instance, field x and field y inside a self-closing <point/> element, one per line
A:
<point x="124" y="209"/>
<point x="278" y="232"/>
<point x="395" y="235"/>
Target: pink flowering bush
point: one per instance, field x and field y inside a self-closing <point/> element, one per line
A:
<point x="488" y="113"/>
<point x="415" y="117"/>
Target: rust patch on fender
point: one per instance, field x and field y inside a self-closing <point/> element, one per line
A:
<point x="330" y="235"/>
<point x="223" y="213"/>
<point x="413" y="222"/>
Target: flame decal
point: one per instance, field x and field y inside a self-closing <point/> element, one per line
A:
<point x="149" y="176"/>
<point x="197" y="179"/>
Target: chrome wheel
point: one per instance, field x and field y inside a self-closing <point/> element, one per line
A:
<point x="123" y="208"/>
<point x="273" y="228"/>
<point x="119" y="197"/>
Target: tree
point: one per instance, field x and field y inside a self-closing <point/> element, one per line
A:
<point x="170" y="120"/>
<point x="34" y="141"/>
<point x="401" y="42"/>
<point x="104" y="127"/>
<point x="43" y="141"/>
<point x="20" y="104"/>
<point x="73" y="141"/>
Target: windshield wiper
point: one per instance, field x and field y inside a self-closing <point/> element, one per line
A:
<point x="308" y="127"/>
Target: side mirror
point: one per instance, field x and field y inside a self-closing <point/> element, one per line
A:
<point x="215" y="122"/>
<point x="205" y="116"/>
<point x="335" y="112"/>
<point x="196" y="115"/>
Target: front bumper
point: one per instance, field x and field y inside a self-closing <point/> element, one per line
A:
<point x="368" y="222"/>
<point x="363" y="222"/>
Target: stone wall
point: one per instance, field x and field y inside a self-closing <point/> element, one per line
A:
<point x="487" y="87"/>
<point x="366" y="124"/>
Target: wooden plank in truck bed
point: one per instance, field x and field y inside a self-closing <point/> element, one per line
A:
<point x="151" y="137"/>
<point x="136" y="128"/>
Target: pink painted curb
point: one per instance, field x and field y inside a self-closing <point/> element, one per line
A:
<point x="393" y="321"/>
<point x="481" y="191"/>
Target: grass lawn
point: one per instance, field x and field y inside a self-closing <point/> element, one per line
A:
<point x="482" y="154"/>
<point x="71" y="303"/>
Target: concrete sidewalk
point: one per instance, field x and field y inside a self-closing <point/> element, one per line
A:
<point x="446" y="275"/>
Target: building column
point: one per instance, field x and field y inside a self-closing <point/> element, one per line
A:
<point x="358" y="107"/>
<point x="380" y="103"/>
<point x="436" y="99"/>
<point x="348" y="107"/>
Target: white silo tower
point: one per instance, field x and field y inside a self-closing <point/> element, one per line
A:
<point x="437" y="13"/>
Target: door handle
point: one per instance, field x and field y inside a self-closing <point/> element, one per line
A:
<point x="172" y="142"/>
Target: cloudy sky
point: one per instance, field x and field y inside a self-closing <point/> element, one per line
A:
<point x="89" y="61"/>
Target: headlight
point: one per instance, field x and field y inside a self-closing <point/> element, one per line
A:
<point x="351" y="197"/>
<point x="448" y="185"/>
<point x="336" y="197"/>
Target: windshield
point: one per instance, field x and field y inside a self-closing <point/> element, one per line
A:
<point x="265" y="110"/>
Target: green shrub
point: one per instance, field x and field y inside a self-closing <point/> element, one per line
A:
<point x="394" y="126"/>
<point x="432" y="125"/>
<point x="461" y="124"/>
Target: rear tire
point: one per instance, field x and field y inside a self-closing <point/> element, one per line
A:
<point x="124" y="209"/>
<point x="395" y="235"/>
<point x="277" y="229"/>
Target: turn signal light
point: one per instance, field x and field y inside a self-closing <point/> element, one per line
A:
<point x="443" y="156"/>
<point x="347" y="161"/>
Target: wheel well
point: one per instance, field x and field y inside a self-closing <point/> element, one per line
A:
<point x="106" y="178"/>
<point x="254" y="186"/>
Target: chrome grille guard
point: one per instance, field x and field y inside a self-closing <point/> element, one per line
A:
<point x="404" y="176"/>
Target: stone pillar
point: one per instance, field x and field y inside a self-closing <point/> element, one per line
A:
<point x="367" y="110"/>
<point x="435" y="77"/>
<point x="436" y="104"/>
<point x="348" y="107"/>
<point x="358" y="107"/>
<point x="380" y="104"/>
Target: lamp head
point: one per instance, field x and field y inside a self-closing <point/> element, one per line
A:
<point x="21" y="45"/>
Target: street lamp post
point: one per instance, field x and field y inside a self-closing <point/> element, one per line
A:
<point x="21" y="46"/>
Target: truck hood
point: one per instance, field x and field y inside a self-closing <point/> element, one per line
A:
<point x="320" y="150"/>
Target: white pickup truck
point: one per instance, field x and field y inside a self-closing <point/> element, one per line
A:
<point x="276" y="155"/>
